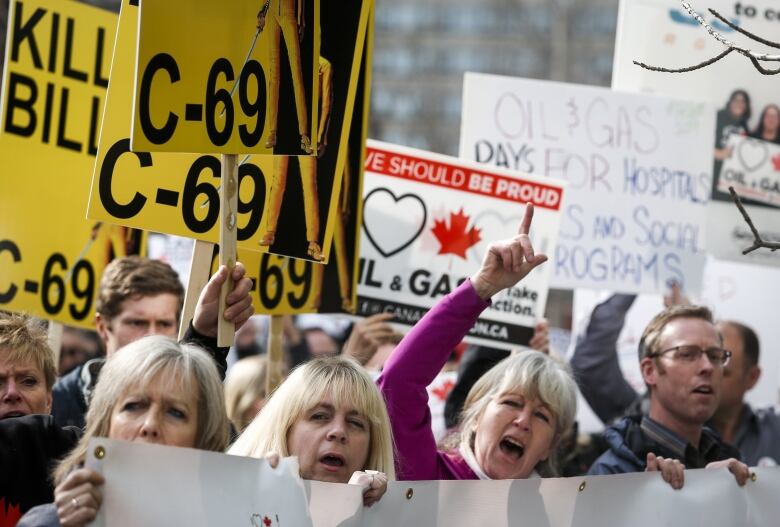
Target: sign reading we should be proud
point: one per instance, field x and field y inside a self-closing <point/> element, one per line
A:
<point x="638" y="167"/>
<point x="427" y="222"/>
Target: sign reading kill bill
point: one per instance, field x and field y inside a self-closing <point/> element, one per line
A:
<point x="283" y="285"/>
<point x="638" y="169"/>
<point x="178" y="193"/>
<point x="219" y="77"/>
<point x="54" y="84"/>
<point x="662" y="33"/>
<point x="427" y="222"/>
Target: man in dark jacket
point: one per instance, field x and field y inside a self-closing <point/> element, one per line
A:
<point x="755" y="432"/>
<point x="681" y="359"/>
<point x="138" y="297"/>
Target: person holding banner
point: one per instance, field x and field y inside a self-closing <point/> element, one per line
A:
<point x="514" y="416"/>
<point x="682" y="360"/>
<point x="153" y="390"/>
<point x="330" y="415"/>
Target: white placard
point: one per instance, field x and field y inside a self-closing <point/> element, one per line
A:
<point x="638" y="169"/>
<point x="427" y="223"/>
<point x="661" y="33"/>
<point x="154" y="485"/>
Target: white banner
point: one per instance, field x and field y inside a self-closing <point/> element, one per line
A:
<point x="427" y="223"/>
<point x="661" y="33"/>
<point x="638" y="169"/>
<point x="154" y="485"/>
<point x="753" y="169"/>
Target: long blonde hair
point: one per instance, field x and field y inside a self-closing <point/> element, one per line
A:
<point x="347" y="383"/>
<point x="138" y="365"/>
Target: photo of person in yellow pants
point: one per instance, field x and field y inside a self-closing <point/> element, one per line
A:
<point x="285" y="18"/>
<point x="308" y="170"/>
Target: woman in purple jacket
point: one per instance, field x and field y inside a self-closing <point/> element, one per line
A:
<point x="514" y="416"/>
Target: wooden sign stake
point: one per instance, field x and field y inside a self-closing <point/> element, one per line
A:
<point x="273" y="376"/>
<point x="55" y="340"/>
<point x="200" y="266"/>
<point x="228" y="205"/>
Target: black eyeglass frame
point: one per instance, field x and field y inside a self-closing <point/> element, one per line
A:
<point x="726" y="353"/>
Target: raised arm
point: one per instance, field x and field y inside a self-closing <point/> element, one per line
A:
<point x="422" y="353"/>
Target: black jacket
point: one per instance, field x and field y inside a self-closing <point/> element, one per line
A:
<point x="30" y="446"/>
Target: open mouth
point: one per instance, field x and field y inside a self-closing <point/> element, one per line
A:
<point x="706" y="390"/>
<point x="332" y="460"/>
<point x="512" y="447"/>
<point x="14" y="414"/>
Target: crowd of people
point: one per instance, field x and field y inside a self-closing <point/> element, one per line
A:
<point x="362" y="414"/>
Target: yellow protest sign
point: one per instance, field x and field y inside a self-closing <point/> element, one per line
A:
<point x="221" y="77"/>
<point x="289" y="286"/>
<point x="54" y="83"/>
<point x="178" y="193"/>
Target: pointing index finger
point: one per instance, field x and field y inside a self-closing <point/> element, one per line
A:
<point x="528" y="216"/>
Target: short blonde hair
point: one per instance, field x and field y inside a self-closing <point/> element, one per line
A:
<point x="535" y="375"/>
<point x="347" y="383"/>
<point x="138" y="365"/>
<point x="244" y="384"/>
<point x="24" y="340"/>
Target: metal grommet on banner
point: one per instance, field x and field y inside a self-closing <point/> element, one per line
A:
<point x="100" y="452"/>
<point x="409" y="493"/>
<point x="753" y="476"/>
<point x="582" y="486"/>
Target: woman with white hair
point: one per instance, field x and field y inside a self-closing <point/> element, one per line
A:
<point x="331" y="416"/>
<point x="152" y="390"/>
<point x="514" y="416"/>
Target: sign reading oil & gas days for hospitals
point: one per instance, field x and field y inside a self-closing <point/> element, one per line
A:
<point x="638" y="168"/>
<point x="287" y="206"/>
<point x="228" y="77"/>
<point x="427" y="222"/>
<point x="54" y="83"/>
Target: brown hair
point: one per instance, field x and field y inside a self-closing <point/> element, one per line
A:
<point x="648" y="344"/>
<point x="134" y="276"/>
<point x="23" y="339"/>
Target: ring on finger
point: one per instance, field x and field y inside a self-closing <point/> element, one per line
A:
<point x="75" y="503"/>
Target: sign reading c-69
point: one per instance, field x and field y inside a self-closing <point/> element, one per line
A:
<point x="232" y="94"/>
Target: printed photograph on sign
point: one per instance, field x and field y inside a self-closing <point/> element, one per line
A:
<point x="292" y="286"/>
<point x="638" y="168"/>
<point x="54" y="87"/>
<point x="753" y="169"/>
<point x="662" y="33"/>
<point x="291" y="211"/>
<point x="427" y="222"/>
<point x="252" y="89"/>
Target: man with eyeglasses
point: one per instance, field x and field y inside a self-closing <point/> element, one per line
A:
<point x="681" y="358"/>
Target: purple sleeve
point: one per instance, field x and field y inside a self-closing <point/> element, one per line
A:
<point x="412" y="366"/>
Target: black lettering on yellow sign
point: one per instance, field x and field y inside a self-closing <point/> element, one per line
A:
<point x="217" y="108"/>
<point x="199" y="198"/>
<point x="38" y="108"/>
<point x="57" y="285"/>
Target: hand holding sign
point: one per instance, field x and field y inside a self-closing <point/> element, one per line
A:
<point x="508" y="261"/>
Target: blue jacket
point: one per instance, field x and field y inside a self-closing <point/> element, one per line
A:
<point x="630" y="441"/>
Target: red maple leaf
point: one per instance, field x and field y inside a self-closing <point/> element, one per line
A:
<point x="455" y="239"/>
<point x="776" y="162"/>
<point x="267" y="521"/>
<point x="10" y="516"/>
<point x="442" y="391"/>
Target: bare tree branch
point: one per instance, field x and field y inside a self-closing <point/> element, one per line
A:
<point x="758" y="242"/>
<point x="745" y="32"/>
<point x="755" y="57"/>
